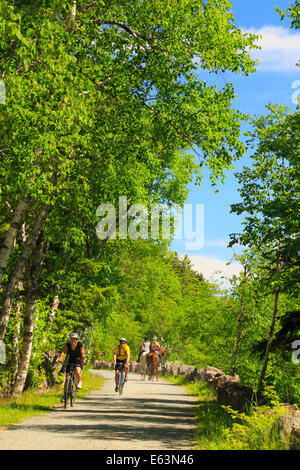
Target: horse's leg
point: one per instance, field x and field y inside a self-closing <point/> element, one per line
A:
<point x="145" y="365"/>
<point x="143" y="372"/>
<point x="149" y="369"/>
<point x="151" y="372"/>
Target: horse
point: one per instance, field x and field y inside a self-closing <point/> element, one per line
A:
<point x="143" y="364"/>
<point x="153" y="361"/>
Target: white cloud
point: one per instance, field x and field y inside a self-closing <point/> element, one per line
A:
<point x="280" y="48"/>
<point x="213" y="269"/>
<point x="219" y="243"/>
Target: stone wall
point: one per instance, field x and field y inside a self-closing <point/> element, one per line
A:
<point x="288" y="426"/>
<point x="228" y="389"/>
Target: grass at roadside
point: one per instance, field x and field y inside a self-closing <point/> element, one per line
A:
<point x="218" y="428"/>
<point x="34" y="403"/>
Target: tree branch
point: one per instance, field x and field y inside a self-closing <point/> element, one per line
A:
<point x="129" y="30"/>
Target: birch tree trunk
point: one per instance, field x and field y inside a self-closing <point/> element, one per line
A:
<point x="27" y="342"/>
<point x="54" y="308"/>
<point x="32" y="278"/>
<point x="11" y="235"/>
<point x="73" y="11"/>
<point x="17" y="272"/>
<point x="15" y="349"/>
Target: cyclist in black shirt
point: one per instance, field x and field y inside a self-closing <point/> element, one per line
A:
<point x="76" y="355"/>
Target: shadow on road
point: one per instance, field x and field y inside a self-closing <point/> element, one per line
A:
<point x="106" y="417"/>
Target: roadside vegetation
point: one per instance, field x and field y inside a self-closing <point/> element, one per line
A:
<point x="221" y="428"/>
<point x="35" y="403"/>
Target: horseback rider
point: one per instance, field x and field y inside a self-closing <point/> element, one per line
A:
<point x="155" y="347"/>
<point x="144" y="347"/>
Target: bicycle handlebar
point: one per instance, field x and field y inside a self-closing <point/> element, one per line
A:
<point x="72" y="366"/>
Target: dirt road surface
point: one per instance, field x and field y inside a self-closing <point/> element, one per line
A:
<point x="148" y="416"/>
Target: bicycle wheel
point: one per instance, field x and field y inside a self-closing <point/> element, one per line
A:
<point x="121" y="381"/>
<point x="73" y="390"/>
<point x="66" y="391"/>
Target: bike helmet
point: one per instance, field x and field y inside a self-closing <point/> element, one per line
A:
<point x="74" y="335"/>
<point x="123" y="339"/>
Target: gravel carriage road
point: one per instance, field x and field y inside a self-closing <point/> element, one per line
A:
<point x="148" y="416"/>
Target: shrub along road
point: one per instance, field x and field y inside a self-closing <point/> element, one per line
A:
<point x="148" y="416"/>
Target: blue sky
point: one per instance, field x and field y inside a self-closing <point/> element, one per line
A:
<point x="276" y="80"/>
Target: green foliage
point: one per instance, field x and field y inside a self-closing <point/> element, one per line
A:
<point x="270" y="195"/>
<point x="293" y="12"/>
<point x="36" y="403"/>
<point x="101" y="105"/>
<point x="256" y="430"/>
<point x="34" y="379"/>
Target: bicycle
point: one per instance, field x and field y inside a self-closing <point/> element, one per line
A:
<point x="121" y="379"/>
<point x="70" y="389"/>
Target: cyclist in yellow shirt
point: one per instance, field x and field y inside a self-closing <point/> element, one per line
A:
<point x="121" y="356"/>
